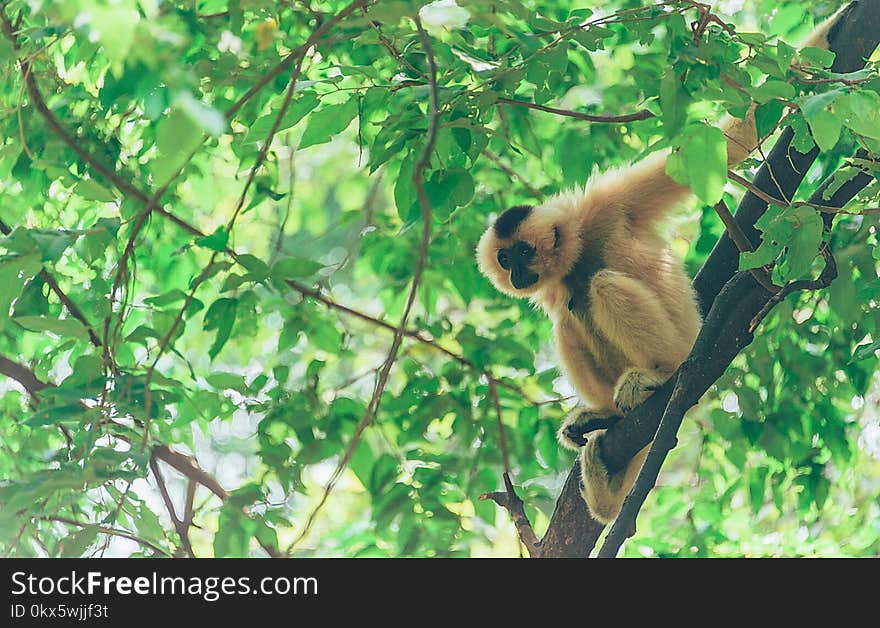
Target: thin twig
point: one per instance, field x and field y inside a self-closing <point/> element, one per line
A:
<point x="415" y="334"/>
<point x="179" y="524"/>
<point x="642" y="114"/>
<point x="742" y="242"/>
<point x="510" y="501"/>
<point x="109" y="531"/>
<point x="828" y="274"/>
<point x="400" y="330"/>
<point x="514" y="174"/>
<point x="505" y="458"/>
<point x="786" y="205"/>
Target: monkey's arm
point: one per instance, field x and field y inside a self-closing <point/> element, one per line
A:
<point x="644" y="192"/>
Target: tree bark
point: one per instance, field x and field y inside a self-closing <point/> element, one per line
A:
<point x="725" y="332"/>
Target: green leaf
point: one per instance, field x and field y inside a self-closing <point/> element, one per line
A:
<point x="771" y="89"/>
<point x="767" y="116"/>
<point x="825" y="127"/>
<point x="797" y="230"/>
<point x="327" y="122"/>
<point x="296" y="111"/>
<point x="817" y="57"/>
<point x="803" y="245"/>
<point x="405" y="191"/>
<point x="115" y="26"/>
<point x="207" y="118"/>
<point x="74" y="545"/>
<point x="55" y="415"/>
<point x="824" y="120"/>
<point x="861" y="112"/>
<point x="67" y="327"/>
<point x="673" y="103"/>
<point x="177" y="136"/>
<point x="234" y="532"/>
<point x="221" y="317"/>
<point x="217" y="241"/>
<point x="705" y="156"/>
<point x="227" y="380"/>
<point x="91" y="190"/>
<point x="293" y="267"/>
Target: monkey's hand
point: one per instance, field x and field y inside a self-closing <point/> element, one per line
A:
<point x="579" y="422"/>
<point x="636" y="385"/>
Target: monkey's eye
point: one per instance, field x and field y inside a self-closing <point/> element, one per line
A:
<point x="504" y="259"/>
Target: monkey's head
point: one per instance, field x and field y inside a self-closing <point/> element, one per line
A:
<point x="526" y="249"/>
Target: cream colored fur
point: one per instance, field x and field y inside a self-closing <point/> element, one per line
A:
<point x="639" y="316"/>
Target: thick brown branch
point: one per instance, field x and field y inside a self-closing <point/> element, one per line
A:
<point x="188" y="467"/>
<point x="22" y="375"/>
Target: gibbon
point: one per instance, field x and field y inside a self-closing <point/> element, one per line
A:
<point x="623" y="310"/>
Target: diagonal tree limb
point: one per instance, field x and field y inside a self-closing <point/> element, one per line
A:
<point x="62" y="296"/>
<point x="853" y="38"/>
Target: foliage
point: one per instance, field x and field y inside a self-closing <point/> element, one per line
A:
<point x="238" y="249"/>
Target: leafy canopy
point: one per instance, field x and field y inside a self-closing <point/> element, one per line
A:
<point x="211" y="221"/>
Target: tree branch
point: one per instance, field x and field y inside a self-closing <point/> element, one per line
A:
<point x="511" y="502"/>
<point x="23" y="375"/>
<point x="418" y="177"/>
<point x="74" y="311"/>
<point x="725" y="331"/>
<point x="415" y="334"/>
<point x="184" y="464"/>
<point x="179" y="524"/>
<point x="742" y="243"/>
<point x="109" y="531"/>
<point x="642" y="114"/>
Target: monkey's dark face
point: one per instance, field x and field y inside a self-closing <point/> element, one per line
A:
<point x="520" y="253"/>
<point x="517" y="258"/>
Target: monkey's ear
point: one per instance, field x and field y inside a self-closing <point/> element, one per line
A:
<point x="556" y="236"/>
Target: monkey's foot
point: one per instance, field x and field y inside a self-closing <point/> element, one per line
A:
<point x="634" y="386"/>
<point x="578" y="423"/>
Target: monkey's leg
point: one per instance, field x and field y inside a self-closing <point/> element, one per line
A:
<point x="633" y="319"/>
<point x="604" y="492"/>
<point x="572" y="433"/>
<point x="636" y="385"/>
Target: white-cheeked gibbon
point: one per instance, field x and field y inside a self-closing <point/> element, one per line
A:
<point x="623" y="311"/>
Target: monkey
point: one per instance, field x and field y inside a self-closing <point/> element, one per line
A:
<point x="624" y="313"/>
